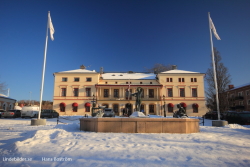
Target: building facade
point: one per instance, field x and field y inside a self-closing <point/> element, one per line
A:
<point x="239" y="97"/>
<point x="75" y="91"/>
<point x="6" y="103"/>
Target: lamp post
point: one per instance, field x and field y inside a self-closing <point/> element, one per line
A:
<point x="164" y="106"/>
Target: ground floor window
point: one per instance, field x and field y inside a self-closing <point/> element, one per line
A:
<point x="87" y="108"/>
<point x="115" y="108"/>
<point x="62" y="107"/>
<point x="151" y="109"/>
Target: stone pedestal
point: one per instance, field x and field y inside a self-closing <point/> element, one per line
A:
<point x="36" y="122"/>
<point x="219" y="123"/>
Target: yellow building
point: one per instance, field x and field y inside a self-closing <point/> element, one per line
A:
<point x="76" y="90"/>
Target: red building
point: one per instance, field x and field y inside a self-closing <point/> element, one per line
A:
<point x="239" y="97"/>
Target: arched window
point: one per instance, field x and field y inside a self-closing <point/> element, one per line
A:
<point x="87" y="107"/>
<point x="195" y="108"/>
<point x="4" y="106"/>
<point x="62" y="107"/>
<point x="74" y="107"/>
<point x="170" y="107"/>
<point x="184" y="105"/>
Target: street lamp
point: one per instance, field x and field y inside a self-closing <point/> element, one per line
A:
<point x="164" y="106"/>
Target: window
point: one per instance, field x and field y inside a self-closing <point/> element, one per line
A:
<point x="193" y="79"/>
<point x="169" y="80"/>
<point x="142" y="108"/>
<point x="87" y="108"/>
<point x="248" y="102"/>
<point x="170" y="109"/>
<point x="115" y="108"/>
<point x="151" y="93"/>
<point x="63" y="92"/>
<point x="88" y="79"/>
<point x="151" y="109"/>
<point x="128" y="94"/>
<point x="116" y="82"/>
<point x="74" y="107"/>
<point x="76" y="79"/>
<point x="88" y="92"/>
<point x="150" y="82"/>
<point x="140" y="82"/>
<point x="62" y="107"/>
<point x="116" y="93"/>
<point x="170" y="92"/>
<point x="142" y="93"/>
<point x="182" y="92"/>
<point x="64" y="79"/>
<point x="247" y="92"/>
<point x="76" y="92"/>
<point x="126" y="82"/>
<point x="194" y="92"/>
<point x="106" y="93"/>
<point x="181" y="80"/>
<point x="195" y="110"/>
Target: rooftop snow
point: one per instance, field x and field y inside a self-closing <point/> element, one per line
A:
<point x="178" y="72"/>
<point x="78" y="71"/>
<point x="128" y="76"/>
<point x="247" y="84"/>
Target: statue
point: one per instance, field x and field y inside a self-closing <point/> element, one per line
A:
<point x="138" y="98"/>
<point x="181" y="113"/>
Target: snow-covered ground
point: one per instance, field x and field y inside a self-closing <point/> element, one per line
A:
<point x="65" y="145"/>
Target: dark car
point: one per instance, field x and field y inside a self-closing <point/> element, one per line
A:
<point x="226" y="114"/>
<point x="242" y="118"/>
<point x="213" y="115"/>
<point x="49" y="114"/>
<point x="12" y="114"/>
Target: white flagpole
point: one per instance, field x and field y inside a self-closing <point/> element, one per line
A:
<point x="215" y="77"/>
<point x="44" y="64"/>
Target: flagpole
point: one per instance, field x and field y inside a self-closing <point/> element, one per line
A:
<point x="44" y="64"/>
<point x="215" y="77"/>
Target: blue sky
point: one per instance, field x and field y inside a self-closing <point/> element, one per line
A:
<point x="118" y="35"/>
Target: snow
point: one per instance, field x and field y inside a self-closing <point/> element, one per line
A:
<point x="178" y="72"/>
<point x="65" y="145"/>
<point x="128" y="76"/>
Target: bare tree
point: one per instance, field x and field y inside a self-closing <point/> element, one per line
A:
<point x="223" y="80"/>
<point x="159" y="68"/>
<point x="45" y="104"/>
<point x="3" y="87"/>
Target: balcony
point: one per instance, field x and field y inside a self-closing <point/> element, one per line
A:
<point x="239" y="98"/>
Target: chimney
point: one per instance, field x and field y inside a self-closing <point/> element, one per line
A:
<point x="101" y="70"/>
<point x="174" y="67"/>
<point x="230" y="86"/>
<point x="82" y="67"/>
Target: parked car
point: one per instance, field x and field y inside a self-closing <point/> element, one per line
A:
<point x="242" y="118"/>
<point x="108" y="112"/>
<point x="213" y="115"/>
<point x="1" y="111"/>
<point x="227" y="113"/>
<point x="30" y="111"/>
<point x="49" y="114"/>
<point x="11" y="114"/>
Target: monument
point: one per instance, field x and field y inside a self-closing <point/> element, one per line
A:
<point x="137" y="112"/>
<point x="181" y="113"/>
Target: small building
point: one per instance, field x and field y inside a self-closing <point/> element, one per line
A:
<point x="7" y="103"/>
<point x="239" y="97"/>
<point x="75" y="91"/>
